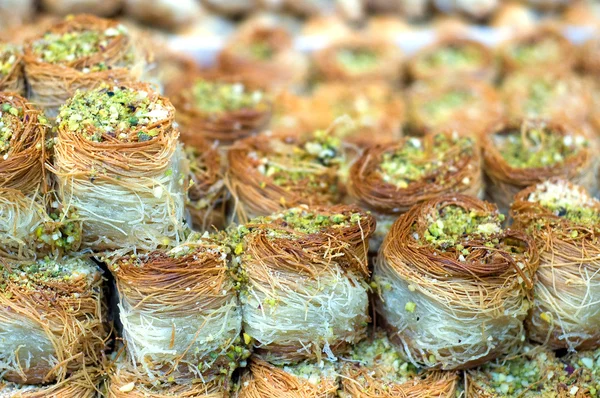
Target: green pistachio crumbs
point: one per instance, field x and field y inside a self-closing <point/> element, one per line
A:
<point x="522" y="376"/>
<point x="442" y="108"/>
<point x="453" y="224"/>
<point x="8" y="57"/>
<point x="539" y="52"/>
<point x="455" y="57"/>
<point x="413" y="161"/>
<point x="314" y="373"/>
<point x="261" y="51"/>
<point x="380" y="356"/>
<point x="72" y="46"/>
<point x="587" y="363"/>
<point x="45" y="271"/>
<point x="10" y="119"/>
<point x="304" y="221"/>
<point x="357" y="60"/>
<point x="294" y="163"/>
<point x="217" y="97"/>
<point x="568" y="203"/>
<point x="537" y="147"/>
<point x="119" y="112"/>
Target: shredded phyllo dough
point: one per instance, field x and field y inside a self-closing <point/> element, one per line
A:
<point x="50" y="319"/>
<point x="271" y="172"/>
<point x="207" y="191"/>
<point x="453" y="284"/>
<point x="564" y="221"/>
<point x="180" y="312"/>
<point x="124" y="381"/>
<point x="307" y="379"/>
<point x="81" y="384"/>
<point x="119" y="165"/>
<point x="28" y="232"/>
<point x="535" y="372"/>
<point x="22" y="152"/>
<point x="544" y="51"/>
<point x="11" y="71"/>
<point x="375" y="368"/>
<point x="302" y="279"/>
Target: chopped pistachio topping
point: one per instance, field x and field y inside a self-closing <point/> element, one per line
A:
<point x="413" y="160"/>
<point x="289" y="163"/>
<point x="10" y="120"/>
<point x="47" y="271"/>
<point x="443" y="108"/>
<point x="537" y="147"/>
<point x="357" y="60"/>
<point x="314" y="373"/>
<point x="382" y="358"/>
<point x="217" y="97"/>
<point x="8" y="58"/>
<point x="119" y="112"/>
<point x="259" y="50"/>
<point x="565" y="201"/>
<point x="542" y="52"/>
<point x="588" y="364"/>
<point x="523" y="376"/>
<point x="542" y="93"/>
<point x="458" y="57"/>
<point x="453" y="224"/>
<point x="304" y="221"/>
<point x="72" y="46"/>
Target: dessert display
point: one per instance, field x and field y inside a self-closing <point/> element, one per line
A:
<point x="299" y="199"/>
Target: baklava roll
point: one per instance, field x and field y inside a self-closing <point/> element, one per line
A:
<point x="180" y="312"/>
<point x="543" y="48"/>
<point x="516" y="156"/>
<point x="79" y="53"/>
<point x="563" y="220"/>
<point x="264" y="56"/>
<point x="389" y="179"/>
<point x="223" y="110"/>
<point x="304" y="276"/>
<point x="454" y="59"/>
<point x="469" y="108"/>
<point x="51" y="319"/>
<point x="118" y="163"/>
<point x="454" y="286"/>
<point x="358" y="59"/>
<point x="271" y="172"/>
